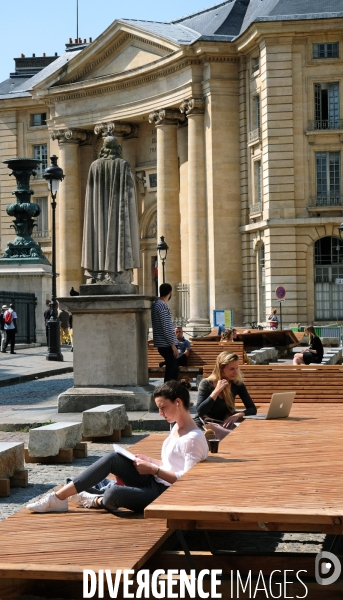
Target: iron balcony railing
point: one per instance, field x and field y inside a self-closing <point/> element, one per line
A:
<point x="255" y="135"/>
<point x="41" y="234"/>
<point x="255" y="208"/>
<point x="325" y="124"/>
<point x="327" y="200"/>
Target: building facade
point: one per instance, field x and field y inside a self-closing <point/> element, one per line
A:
<point x="230" y="119"/>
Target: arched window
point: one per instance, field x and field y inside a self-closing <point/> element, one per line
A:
<point x="328" y="267"/>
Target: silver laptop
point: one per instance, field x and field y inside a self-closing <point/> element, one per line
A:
<point x="279" y="407"/>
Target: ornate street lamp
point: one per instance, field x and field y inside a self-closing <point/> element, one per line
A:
<point x="54" y="175"/>
<point x="162" y="251"/>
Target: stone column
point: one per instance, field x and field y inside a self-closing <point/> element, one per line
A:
<point x="120" y="129"/>
<point x="198" y="323"/>
<point x="168" y="210"/>
<point x="69" y="210"/>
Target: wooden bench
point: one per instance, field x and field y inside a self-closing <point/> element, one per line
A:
<point x="201" y="354"/>
<point x="45" y="554"/>
<point x="312" y="383"/>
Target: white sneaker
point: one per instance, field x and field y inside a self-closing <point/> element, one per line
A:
<point x="49" y="503"/>
<point x="87" y="500"/>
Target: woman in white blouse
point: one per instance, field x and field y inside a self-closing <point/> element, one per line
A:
<point x="145" y="478"/>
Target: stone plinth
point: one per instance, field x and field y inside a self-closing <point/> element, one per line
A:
<point x="22" y="276"/>
<point x="110" y="352"/>
<point x="103" y="420"/>
<point x="49" y="439"/>
<point x="11" y="458"/>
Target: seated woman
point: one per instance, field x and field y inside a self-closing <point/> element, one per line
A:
<point x="230" y="335"/>
<point x="217" y="393"/>
<point x="314" y="353"/>
<point x="145" y="478"/>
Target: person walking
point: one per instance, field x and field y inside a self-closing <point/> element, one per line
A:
<point x="10" y="325"/>
<point x="2" y="327"/>
<point x="47" y="316"/>
<point x="63" y="316"/>
<point x="164" y="336"/>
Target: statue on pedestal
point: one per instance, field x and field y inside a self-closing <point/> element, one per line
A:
<point x="110" y="248"/>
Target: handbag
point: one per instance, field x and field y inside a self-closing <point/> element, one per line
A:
<point x="219" y="431"/>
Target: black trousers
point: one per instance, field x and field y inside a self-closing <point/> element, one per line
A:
<point x="10" y="338"/>
<point x="172" y="368"/>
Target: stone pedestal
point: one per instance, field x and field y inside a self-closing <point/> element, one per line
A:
<point x="110" y="352"/>
<point x="24" y="276"/>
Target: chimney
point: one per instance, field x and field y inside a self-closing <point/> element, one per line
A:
<point x="43" y="54"/>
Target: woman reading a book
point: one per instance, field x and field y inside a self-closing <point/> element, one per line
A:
<point x="144" y="478"/>
<point x="217" y="393"/>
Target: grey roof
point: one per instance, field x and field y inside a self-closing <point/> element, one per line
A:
<point x="226" y="20"/>
<point x="177" y="33"/>
<point x="10" y="84"/>
<point x="47" y="71"/>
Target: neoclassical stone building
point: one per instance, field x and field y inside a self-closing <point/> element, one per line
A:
<point x="230" y="118"/>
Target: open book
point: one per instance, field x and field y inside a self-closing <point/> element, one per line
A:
<point x="124" y="452"/>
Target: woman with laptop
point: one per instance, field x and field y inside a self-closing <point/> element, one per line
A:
<point x="217" y="393"/>
<point x="314" y="353"/>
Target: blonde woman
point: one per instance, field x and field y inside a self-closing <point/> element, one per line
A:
<point x="314" y="353"/>
<point x="217" y="393"/>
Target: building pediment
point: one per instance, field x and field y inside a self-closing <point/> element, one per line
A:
<point x="119" y="49"/>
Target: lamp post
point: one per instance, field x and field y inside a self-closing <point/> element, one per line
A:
<point x="162" y="251"/>
<point x="53" y="176"/>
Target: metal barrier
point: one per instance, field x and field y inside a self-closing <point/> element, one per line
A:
<point x="25" y="307"/>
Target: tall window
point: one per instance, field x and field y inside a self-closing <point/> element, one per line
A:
<point x="258" y="181"/>
<point x="328" y="261"/>
<point x="326" y="105"/>
<point x="328" y="177"/>
<point x="327" y="50"/>
<point x="255" y="64"/>
<point x="262" y="284"/>
<point x="42" y="228"/>
<point x="40" y="151"/>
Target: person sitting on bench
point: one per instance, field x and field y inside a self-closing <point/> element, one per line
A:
<point x="217" y="393"/>
<point x="144" y="478"/>
<point x="230" y="335"/>
<point x="314" y="353"/>
<point x="183" y="347"/>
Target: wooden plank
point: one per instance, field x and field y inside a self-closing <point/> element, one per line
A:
<point x="4" y="487"/>
<point x="20" y="479"/>
<point x="267" y="472"/>
<point x="65" y="455"/>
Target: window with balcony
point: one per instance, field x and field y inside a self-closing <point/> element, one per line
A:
<point x="328" y="179"/>
<point x="42" y="228"/>
<point x="40" y="151"/>
<point x="326" y="106"/>
<point x="327" y="50"/>
<point x="38" y="120"/>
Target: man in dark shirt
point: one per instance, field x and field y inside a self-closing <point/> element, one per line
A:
<point x="163" y="332"/>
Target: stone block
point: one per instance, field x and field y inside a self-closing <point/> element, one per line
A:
<point x="11" y="458"/>
<point x="49" y="439"/>
<point x="79" y="399"/>
<point x="104" y="419"/>
<point x="330" y="341"/>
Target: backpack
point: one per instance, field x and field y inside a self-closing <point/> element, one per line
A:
<point x="8" y="317"/>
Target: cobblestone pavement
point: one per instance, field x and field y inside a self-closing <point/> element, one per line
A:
<point x="41" y="391"/>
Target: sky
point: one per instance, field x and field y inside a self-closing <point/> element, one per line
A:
<point x="37" y="26"/>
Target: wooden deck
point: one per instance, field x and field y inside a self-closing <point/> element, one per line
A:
<point x="279" y="475"/>
<point x="312" y="383"/>
<point x="41" y="547"/>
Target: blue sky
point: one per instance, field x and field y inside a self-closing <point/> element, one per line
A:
<point x="39" y="26"/>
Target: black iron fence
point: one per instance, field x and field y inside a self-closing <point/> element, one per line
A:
<point x="25" y="307"/>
